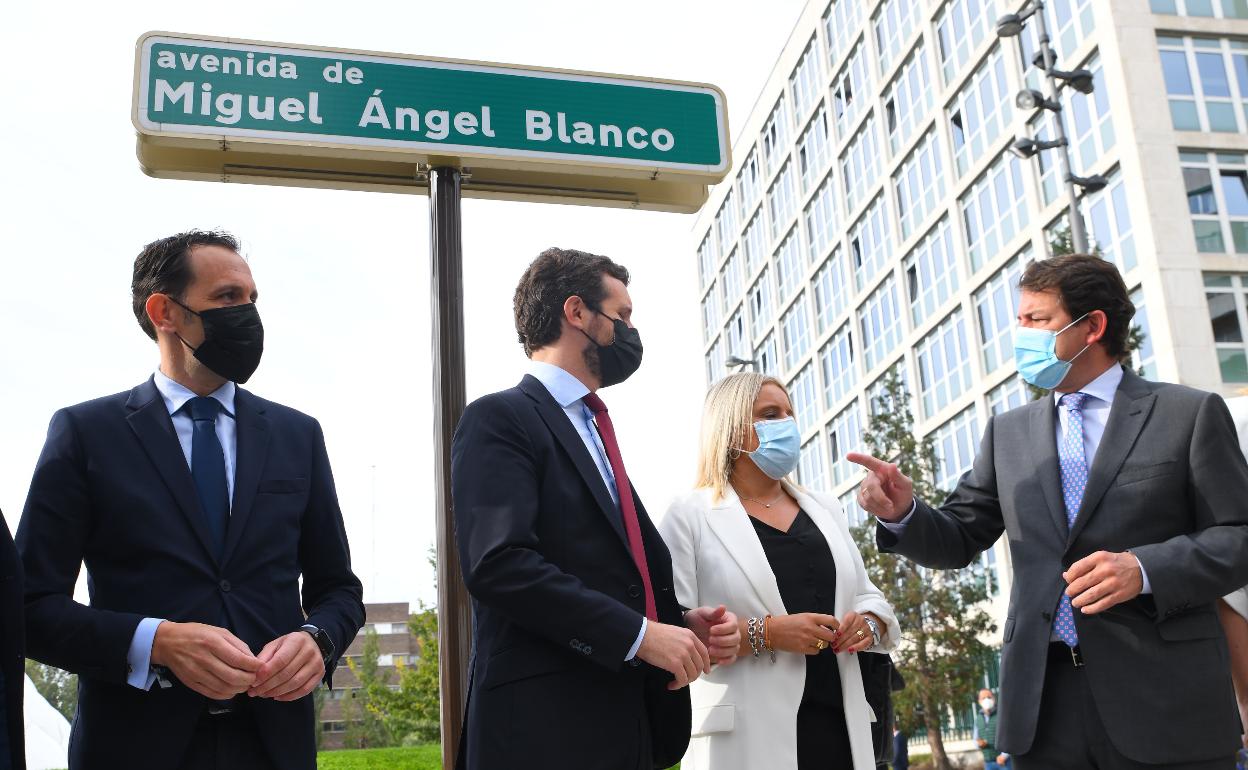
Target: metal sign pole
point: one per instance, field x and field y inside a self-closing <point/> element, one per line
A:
<point x="454" y="608"/>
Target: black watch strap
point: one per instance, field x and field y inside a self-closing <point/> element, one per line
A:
<point x="323" y="642"/>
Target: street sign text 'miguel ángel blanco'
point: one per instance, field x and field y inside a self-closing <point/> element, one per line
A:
<point x="243" y="111"/>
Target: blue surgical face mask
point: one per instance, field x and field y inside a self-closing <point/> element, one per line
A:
<point x="779" y="447"/>
<point x="1035" y="355"/>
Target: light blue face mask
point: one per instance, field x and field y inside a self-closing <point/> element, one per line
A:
<point x="779" y="447"/>
<point x="1035" y="355"/>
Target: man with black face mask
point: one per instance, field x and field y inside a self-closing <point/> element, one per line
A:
<point x="581" y="654"/>
<point x="196" y="507"/>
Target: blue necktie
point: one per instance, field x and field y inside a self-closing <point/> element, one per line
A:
<point x="1074" y="463"/>
<point x="208" y="470"/>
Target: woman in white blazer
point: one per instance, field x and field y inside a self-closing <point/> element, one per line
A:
<point x="782" y="558"/>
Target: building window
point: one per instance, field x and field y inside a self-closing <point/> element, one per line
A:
<point x="869" y="245"/>
<point x="908" y="99"/>
<point x="781" y="201"/>
<point x="1010" y="394"/>
<point x="795" y="326"/>
<point x="860" y="165"/>
<point x="961" y="26"/>
<point x="956" y="442"/>
<point x="765" y="355"/>
<point x="996" y="303"/>
<point x="836" y="358"/>
<point x="706" y="260"/>
<point x="880" y="316"/>
<point x="831" y="290"/>
<point x="844" y="436"/>
<point x="820" y="216"/>
<point x="1219" y="9"/>
<point x="805" y="80"/>
<point x="812" y="150"/>
<point x="1109" y="220"/>
<point x="920" y="184"/>
<point x="1069" y="22"/>
<point x="735" y="340"/>
<point x="878" y="399"/>
<point x="710" y="313"/>
<point x="754" y="244"/>
<point x="1225" y="294"/>
<point x="931" y="272"/>
<point x="730" y="280"/>
<point x="853" y="512"/>
<point x="994" y="210"/>
<point x="715" y="367"/>
<point x="760" y="302"/>
<point x="850" y="91"/>
<point x="1207" y="82"/>
<point x="840" y="22"/>
<point x="944" y="362"/>
<point x="802" y="391"/>
<point x="894" y="23"/>
<point x="775" y="137"/>
<point x="1091" y="133"/>
<point x="726" y="222"/>
<point x="980" y="111"/>
<point x="1143" y="358"/>
<point x="1219" y="210"/>
<point x="749" y="182"/>
<point x="811" y="471"/>
<point x="790" y="266"/>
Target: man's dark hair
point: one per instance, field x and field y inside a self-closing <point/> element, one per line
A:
<point x="164" y="267"/>
<point x="554" y="276"/>
<point x="1085" y="283"/>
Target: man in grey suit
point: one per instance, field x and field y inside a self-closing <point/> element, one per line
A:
<point x="1125" y="506"/>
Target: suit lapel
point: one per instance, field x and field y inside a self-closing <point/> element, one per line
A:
<point x="731" y="524"/>
<point x="557" y="420"/>
<point x="252" y="435"/>
<point x="150" y="421"/>
<point x="1132" y="404"/>
<point x="1043" y="441"/>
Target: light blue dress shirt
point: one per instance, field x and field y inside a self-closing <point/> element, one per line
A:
<point x="568" y="392"/>
<point x="1095" y="417"/>
<point x="175" y="396"/>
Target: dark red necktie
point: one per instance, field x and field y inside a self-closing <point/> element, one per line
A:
<point x="632" y="526"/>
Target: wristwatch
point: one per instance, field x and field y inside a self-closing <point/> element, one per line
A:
<point x="875" y="630"/>
<point x="323" y="642"/>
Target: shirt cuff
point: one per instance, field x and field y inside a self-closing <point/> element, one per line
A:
<point x="898" y="527"/>
<point x="632" y="651"/>
<point x="139" y="658"/>
<point x="1147" y="587"/>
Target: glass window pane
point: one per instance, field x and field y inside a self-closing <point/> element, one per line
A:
<point x="1235" y="192"/>
<point x="1212" y="74"/>
<point x="1239" y="235"/>
<point x="1163" y="6"/>
<point x="1184" y="116"/>
<point x="1234" y="365"/>
<point x="1221" y="116"/>
<point x="1209" y="237"/>
<point x="1199" y="7"/>
<point x="1200" y="199"/>
<point x="1223" y="317"/>
<point x="1235" y="9"/>
<point x="1174" y="65"/>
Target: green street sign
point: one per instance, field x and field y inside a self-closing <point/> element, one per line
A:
<point x="273" y="113"/>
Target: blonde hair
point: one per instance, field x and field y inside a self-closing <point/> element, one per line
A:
<point x="727" y="416"/>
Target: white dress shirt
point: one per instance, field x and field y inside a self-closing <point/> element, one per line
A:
<point x="175" y="396"/>
<point x="568" y="392"/>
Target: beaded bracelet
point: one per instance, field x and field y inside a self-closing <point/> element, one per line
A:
<point x="767" y="638"/>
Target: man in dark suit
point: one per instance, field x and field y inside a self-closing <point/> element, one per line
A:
<point x="580" y="650"/>
<point x="1123" y="501"/>
<point x="196" y="507"/>
<point x="12" y="657"/>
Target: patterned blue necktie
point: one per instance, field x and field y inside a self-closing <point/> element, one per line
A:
<point x="1074" y="479"/>
<point x="208" y="469"/>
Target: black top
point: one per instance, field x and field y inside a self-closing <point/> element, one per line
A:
<point x="806" y="575"/>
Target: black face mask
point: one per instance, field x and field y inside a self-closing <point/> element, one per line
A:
<point x="233" y="340"/>
<point x="618" y="360"/>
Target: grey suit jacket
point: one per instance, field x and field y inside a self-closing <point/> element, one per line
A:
<point x="1168" y="482"/>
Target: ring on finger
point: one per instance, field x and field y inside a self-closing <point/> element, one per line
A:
<point x="860" y="633"/>
<point x="820" y="644"/>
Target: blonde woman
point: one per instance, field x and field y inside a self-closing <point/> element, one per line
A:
<point x="780" y="557"/>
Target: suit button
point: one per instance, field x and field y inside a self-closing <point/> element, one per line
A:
<point x="634" y="591"/>
<point x="634" y="663"/>
<point x="588" y="650"/>
<point x="224" y="585"/>
<point x="1048" y="617"/>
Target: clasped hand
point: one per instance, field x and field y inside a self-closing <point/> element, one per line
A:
<point x="712" y="635"/>
<point x="217" y="664"/>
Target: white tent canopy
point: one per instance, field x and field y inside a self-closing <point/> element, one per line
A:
<point x="47" y="733"/>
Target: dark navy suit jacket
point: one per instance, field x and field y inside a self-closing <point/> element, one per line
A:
<point x="557" y="599"/>
<point x="12" y="662"/>
<point x="112" y="489"/>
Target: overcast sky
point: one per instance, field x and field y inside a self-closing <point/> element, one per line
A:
<point x="343" y="275"/>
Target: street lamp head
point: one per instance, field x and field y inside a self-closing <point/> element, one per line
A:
<point x="1009" y="25"/>
<point x="1023" y="147"/>
<point x="738" y="361"/>
<point x="1029" y="99"/>
<point x="1081" y="81"/>
<point x="1090" y="183"/>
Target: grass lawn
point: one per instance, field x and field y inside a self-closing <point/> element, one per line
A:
<point x="426" y="757"/>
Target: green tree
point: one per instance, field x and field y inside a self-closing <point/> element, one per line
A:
<point x="413" y="712"/>
<point x="58" y="687"/>
<point x="941" y="612"/>
<point x="363" y="709"/>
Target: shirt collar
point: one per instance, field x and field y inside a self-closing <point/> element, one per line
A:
<point x="563" y="387"/>
<point x="176" y="395"/>
<point x="1103" y="387"/>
